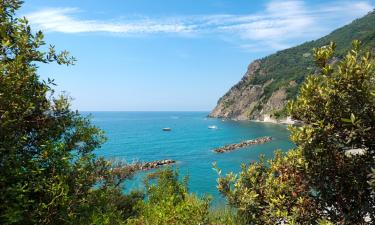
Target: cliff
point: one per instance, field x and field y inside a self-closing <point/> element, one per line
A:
<point x="269" y="83"/>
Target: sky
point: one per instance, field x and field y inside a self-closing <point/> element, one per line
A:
<point x="172" y="55"/>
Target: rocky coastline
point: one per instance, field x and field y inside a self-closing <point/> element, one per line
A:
<point x="244" y="144"/>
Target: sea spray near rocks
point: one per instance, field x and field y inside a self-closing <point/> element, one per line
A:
<point x="244" y="144"/>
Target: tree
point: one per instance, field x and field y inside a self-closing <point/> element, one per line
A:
<point x="48" y="171"/>
<point x="337" y="109"/>
<point x="270" y="193"/>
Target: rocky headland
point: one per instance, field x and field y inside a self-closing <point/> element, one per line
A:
<point x="270" y="82"/>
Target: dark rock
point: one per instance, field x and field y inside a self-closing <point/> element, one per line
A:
<point x="156" y="164"/>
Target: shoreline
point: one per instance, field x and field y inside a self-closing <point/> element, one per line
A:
<point x="284" y="121"/>
<point x="266" y="119"/>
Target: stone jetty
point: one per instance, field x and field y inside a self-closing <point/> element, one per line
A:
<point x="155" y="164"/>
<point x="244" y="144"/>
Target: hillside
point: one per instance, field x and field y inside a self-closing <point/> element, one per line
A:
<point x="270" y="82"/>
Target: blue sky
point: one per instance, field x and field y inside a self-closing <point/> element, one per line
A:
<point x="172" y="55"/>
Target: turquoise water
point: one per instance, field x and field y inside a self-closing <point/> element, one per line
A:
<point x="136" y="136"/>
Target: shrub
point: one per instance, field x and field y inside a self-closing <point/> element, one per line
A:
<point x="272" y="193"/>
<point x="168" y="202"/>
<point x="337" y="109"/>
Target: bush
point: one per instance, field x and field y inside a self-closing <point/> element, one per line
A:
<point x="272" y="193"/>
<point x="337" y="109"/>
<point x="168" y="202"/>
<point x="223" y="215"/>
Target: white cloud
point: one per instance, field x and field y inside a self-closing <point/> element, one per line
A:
<point x="349" y="7"/>
<point x="63" y="20"/>
<point x="284" y="22"/>
<point x="278" y="26"/>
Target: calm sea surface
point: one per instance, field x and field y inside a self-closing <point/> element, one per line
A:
<point x="138" y="136"/>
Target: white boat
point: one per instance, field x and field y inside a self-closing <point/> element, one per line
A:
<point x="167" y="129"/>
<point x="212" y="127"/>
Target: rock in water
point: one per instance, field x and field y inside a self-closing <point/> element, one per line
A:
<point x="156" y="164"/>
<point x="244" y="144"/>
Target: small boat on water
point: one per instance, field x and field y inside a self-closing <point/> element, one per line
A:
<point x="212" y="127"/>
<point x="166" y="129"/>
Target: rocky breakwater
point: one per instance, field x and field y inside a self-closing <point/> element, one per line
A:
<point x="244" y="144"/>
<point x="155" y="164"/>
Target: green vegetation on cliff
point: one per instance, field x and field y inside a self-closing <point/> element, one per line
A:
<point x="293" y="64"/>
<point x="286" y="70"/>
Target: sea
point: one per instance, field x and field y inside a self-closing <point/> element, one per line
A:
<point x="138" y="137"/>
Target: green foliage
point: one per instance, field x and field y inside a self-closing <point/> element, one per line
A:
<point x="337" y="109"/>
<point x="329" y="178"/>
<point x="50" y="175"/>
<point x="371" y="181"/>
<point x="48" y="172"/>
<point x="168" y="202"/>
<point x="228" y="103"/>
<point x="272" y="193"/>
<point x="283" y="113"/>
<point x="324" y="222"/>
<point x="223" y="215"/>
